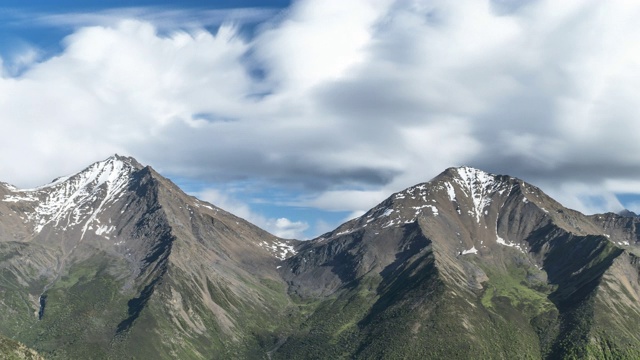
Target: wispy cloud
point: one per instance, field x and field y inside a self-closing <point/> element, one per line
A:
<point x="161" y="17"/>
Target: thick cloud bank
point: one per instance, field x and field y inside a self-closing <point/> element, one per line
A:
<point x="343" y="102"/>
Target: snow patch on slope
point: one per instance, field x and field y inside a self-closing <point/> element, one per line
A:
<point x="409" y="205"/>
<point x="280" y="249"/>
<point x="9" y="186"/>
<point x="19" y="198"/>
<point x="404" y="207"/>
<point x="450" y="191"/>
<point x="478" y="186"/>
<point x="501" y="241"/>
<point x="71" y="200"/>
<point x="473" y="250"/>
<point x="387" y="212"/>
<point x="105" y="229"/>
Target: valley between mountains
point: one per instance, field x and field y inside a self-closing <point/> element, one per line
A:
<point x="116" y="262"/>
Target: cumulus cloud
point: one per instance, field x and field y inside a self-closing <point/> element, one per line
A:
<point x="21" y="57"/>
<point x="286" y="228"/>
<point x="342" y="101"/>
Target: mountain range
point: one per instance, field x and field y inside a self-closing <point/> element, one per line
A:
<point x="117" y="262"/>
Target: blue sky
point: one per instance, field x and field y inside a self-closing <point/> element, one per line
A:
<point x="16" y="28"/>
<point x="300" y="115"/>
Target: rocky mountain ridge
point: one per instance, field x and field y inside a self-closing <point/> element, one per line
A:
<point x="116" y="261"/>
<point x="487" y="249"/>
<point x="113" y="242"/>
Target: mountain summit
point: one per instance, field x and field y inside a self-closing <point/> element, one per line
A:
<point x="117" y="262"/>
<point x="473" y="265"/>
<point x="79" y="199"/>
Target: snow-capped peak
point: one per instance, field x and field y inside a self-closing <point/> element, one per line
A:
<point x="106" y="171"/>
<point x="478" y="186"/>
<point x="471" y="190"/>
<point x="72" y="197"/>
<point x="470" y="174"/>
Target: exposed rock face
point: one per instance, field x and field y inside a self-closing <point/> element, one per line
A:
<point x="489" y="258"/>
<point x="129" y="264"/>
<point x="116" y="261"/>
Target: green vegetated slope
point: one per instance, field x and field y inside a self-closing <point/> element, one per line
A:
<point x="13" y="350"/>
<point x="405" y="312"/>
<point x="79" y="312"/>
<point x="418" y="315"/>
<point x="86" y="313"/>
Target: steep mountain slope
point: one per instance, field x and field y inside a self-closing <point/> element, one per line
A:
<point x="470" y="264"/>
<point x="117" y="260"/>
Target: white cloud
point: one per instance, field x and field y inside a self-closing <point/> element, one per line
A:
<point x="21" y="57"/>
<point x="281" y="227"/>
<point x="318" y="41"/>
<point x="287" y="229"/>
<point x="588" y="199"/>
<point x="114" y="89"/>
<point x="352" y="200"/>
<point x="162" y="17"/>
<point x="356" y="99"/>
